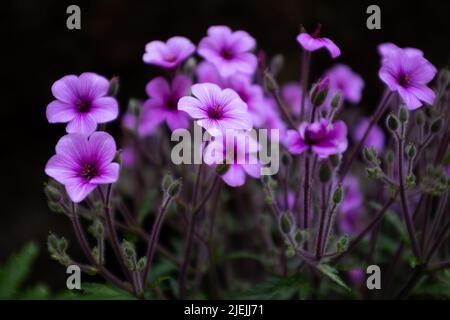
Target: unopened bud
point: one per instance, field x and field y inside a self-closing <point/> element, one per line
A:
<point x="403" y="114"/>
<point x="270" y="82"/>
<point x="338" y="194"/>
<point x="336" y="100"/>
<point x="320" y="92"/>
<point x="113" y="89"/>
<point x="410" y="150"/>
<point x="324" y="173"/>
<point x="392" y="122"/>
<point x="436" y="126"/>
<point x="286" y="223"/>
<point x="174" y="188"/>
<point x="335" y="160"/>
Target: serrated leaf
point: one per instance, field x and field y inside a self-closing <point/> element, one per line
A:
<point x="332" y="273"/>
<point x="16" y="270"/>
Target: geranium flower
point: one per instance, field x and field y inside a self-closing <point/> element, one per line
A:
<point x="291" y="93"/>
<point x="375" y="137"/>
<point x="82" y="163"/>
<point x="322" y="138"/>
<point x="216" y="109"/>
<point x="82" y="103"/>
<point x="228" y="51"/>
<point x="170" y="54"/>
<point x="207" y="73"/>
<point x="345" y="82"/>
<point x="239" y="150"/>
<point x="312" y="42"/>
<point x="162" y="105"/>
<point x="408" y="72"/>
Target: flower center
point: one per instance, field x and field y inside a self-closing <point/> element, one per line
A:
<point x="88" y="172"/>
<point x="172" y="103"/>
<point x="311" y="137"/>
<point x="83" y="106"/>
<point x="404" y="80"/>
<point x="227" y="54"/>
<point x="215" y="112"/>
<point x="170" y="58"/>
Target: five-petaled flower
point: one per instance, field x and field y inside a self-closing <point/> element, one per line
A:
<point x="312" y="42"/>
<point x="407" y="72"/>
<point x="230" y="52"/>
<point x="82" y="162"/>
<point x="237" y="149"/>
<point x="162" y="104"/>
<point x="170" y="54"/>
<point x="215" y="109"/>
<point x="82" y="103"/>
<point x="322" y="138"/>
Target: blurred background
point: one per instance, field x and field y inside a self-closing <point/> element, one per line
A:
<point x="38" y="49"/>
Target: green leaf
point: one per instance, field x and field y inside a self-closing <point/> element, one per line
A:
<point x="16" y="270"/>
<point x="275" y="288"/>
<point x="96" y="291"/>
<point x="395" y="221"/>
<point x="332" y="273"/>
<point x="38" y="292"/>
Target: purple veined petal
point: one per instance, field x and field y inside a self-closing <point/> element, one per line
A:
<point x="245" y="63"/>
<point x="180" y="46"/>
<point x="158" y="88"/>
<point x="231" y="101"/>
<point x="294" y="142"/>
<point x="411" y="101"/>
<point x="73" y="146"/>
<point x="58" y="111"/>
<point x="65" y="89"/>
<point x="238" y="120"/>
<point x="82" y="123"/>
<point x="180" y="86"/>
<point x="61" y="168"/>
<point x="219" y="32"/>
<point x="423" y="73"/>
<point x="332" y="48"/>
<point x="177" y="120"/>
<point x="207" y="72"/>
<point x="78" y="190"/>
<point x="102" y="148"/>
<point x="108" y="174"/>
<point x="339" y="131"/>
<point x="423" y="93"/>
<point x="253" y="170"/>
<point x="193" y="107"/>
<point x="152" y="116"/>
<point x="91" y="85"/>
<point x="213" y="127"/>
<point x="235" y="176"/>
<point x="325" y="149"/>
<point x="207" y="93"/>
<point x="242" y="41"/>
<point x="104" y="109"/>
<point x="387" y="75"/>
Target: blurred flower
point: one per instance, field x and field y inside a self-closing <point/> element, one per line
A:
<point x="162" y="105"/>
<point x="345" y="82"/>
<point x="375" y="137"/>
<point x="216" y="109"/>
<point x="281" y="201"/>
<point x="322" y="137"/>
<point x="350" y="206"/>
<point x="239" y="150"/>
<point x="81" y="102"/>
<point x="229" y="51"/>
<point x="292" y="95"/>
<point x="386" y="49"/>
<point x="356" y="276"/>
<point x="170" y="54"/>
<point x="128" y="157"/>
<point x="272" y="119"/>
<point x="207" y="72"/>
<point x="81" y="163"/>
<point x="407" y="72"/>
<point x="312" y="42"/>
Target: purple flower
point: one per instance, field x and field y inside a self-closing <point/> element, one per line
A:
<point x="228" y="51"/>
<point x="408" y="72"/>
<point x="216" y="109"/>
<point x="321" y="137"/>
<point x="356" y="276"/>
<point x="207" y="73"/>
<point x="291" y="93"/>
<point x="386" y="49"/>
<point x="81" y="163"/>
<point x="82" y="103"/>
<point x="375" y="138"/>
<point x="239" y="150"/>
<point x="312" y="42"/>
<point x="345" y="82"/>
<point x="162" y="104"/>
<point x="272" y="119"/>
<point x="170" y="54"/>
<point x="351" y="205"/>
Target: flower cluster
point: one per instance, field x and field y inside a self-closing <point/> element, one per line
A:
<point x="341" y="172"/>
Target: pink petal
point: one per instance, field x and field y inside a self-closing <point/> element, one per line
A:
<point x="61" y="168"/>
<point x="332" y="48"/>
<point x="58" y="111"/>
<point x="253" y="170"/>
<point x="423" y="93"/>
<point x="102" y="147"/>
<point x="158" y="88"/>
<point x="109" y="174"/>
<point x="235" y="176"/>
<point x="91" y="85"/>
<point x="78" y="190"/>
<point x="177" y="120"/>
<point x="152" y="116"/>
<point x="73" y="146"/>
<point x="104" y="109"/>
<point x="409" y="98"/>
<point x="242" y="41"/>
<point x="65" y="89"/>
<point x="193" y="107"/>
<point x="207" y="93"/>
<point x="294" y="143"/>
<point x="181" y="85"/>
<point x="82" y="123"/>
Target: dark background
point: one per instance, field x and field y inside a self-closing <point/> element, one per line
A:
<point x="39" y="49"/>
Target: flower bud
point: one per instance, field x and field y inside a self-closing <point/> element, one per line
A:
<point x="113" y="89"/>
<point x="320" y="92"/>
<point x="174" y="188"/>
<point x="134" y="106"/>
<point x="276" y="64"/>
<point x="269" y="82"/>
<point x="436" y="126"/>
<point x="286" y="223"/>
<point x="392" y="122"/>
<point x="166" y="182"/>
<point x="367" y="153"/>
<point x="403" y="114"/>
<point x="411" y="150"/>
<point x="140" y="265"/>
<point x="338" y="194"/>
<point x="336" y="100"/>
<point x="335" y="160"/>
<point x="324" y="173"/>
<point x="390" y="157"/>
